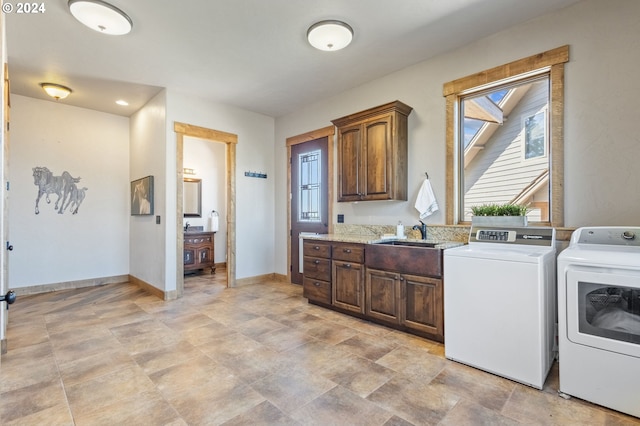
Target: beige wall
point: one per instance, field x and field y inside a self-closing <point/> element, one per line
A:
<point x="147" y="240"/>
<point x="52" y="248"/>
<point x="601" y="139"/>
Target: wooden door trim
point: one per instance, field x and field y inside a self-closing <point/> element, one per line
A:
<point x="231" y="140"/>
<point x="329" y="133"/>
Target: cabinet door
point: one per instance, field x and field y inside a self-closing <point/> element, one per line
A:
<point x="350" y="163"/>
<point x="347" y="286"/>
<point x="378" y="148"/>
<point x="189" y="257"/>
<point x="423" y="307"/>
<point x="205" y="255"/>
<point x="382" y="295"/>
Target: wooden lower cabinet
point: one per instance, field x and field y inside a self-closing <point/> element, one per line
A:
<point x="335" y="276"/>
<point x="422" y="305"/>
<point x="198" y="251"/>
<point x="410" y="301"/>
<point x="316" y="284"/>
<point x="347" y="286"/>
<point x="383" y="295"/>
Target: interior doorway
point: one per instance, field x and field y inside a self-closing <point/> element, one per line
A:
<point x="231" y="141"/>
<point x="205" y="192"/>
<point x="318" y="141"/>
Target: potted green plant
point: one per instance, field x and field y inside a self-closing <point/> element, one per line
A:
<point x="499" y="214"/>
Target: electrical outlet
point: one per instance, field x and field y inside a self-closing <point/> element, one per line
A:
<point x="340" y="218"/>
<point x="157" y="220"/>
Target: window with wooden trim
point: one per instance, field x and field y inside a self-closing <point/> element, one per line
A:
<point x="505" y="138"/>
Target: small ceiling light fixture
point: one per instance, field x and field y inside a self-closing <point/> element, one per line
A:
<point x="122" y="102"/>
<point x="101" y="16"/>
<point x="56" y="91"/>
<point x="330" y="35"/>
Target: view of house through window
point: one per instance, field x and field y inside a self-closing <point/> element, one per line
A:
<point x="504" y="147"/>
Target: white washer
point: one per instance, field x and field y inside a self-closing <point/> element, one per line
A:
<point x="599" y="317"/>
<point x="500" y="302"/>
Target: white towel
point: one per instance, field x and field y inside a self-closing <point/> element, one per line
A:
<point x="426" y="202"/>
<point x="214" y="223"/>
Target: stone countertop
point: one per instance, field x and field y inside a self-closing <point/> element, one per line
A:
<point x="370" y="239"/>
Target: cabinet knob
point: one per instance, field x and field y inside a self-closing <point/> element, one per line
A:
<point x="316" y="262"/>
<point x="317" y="284"/>
<point x="348" y="265"/>
<point x="316" y="247"/>
<point x="347" y="250"/>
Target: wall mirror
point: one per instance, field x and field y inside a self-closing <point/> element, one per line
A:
<point x="192" y="197"/>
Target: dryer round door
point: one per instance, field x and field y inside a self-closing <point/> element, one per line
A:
<point x="603" y="308"/>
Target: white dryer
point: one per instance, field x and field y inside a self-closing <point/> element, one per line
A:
<point x="599" y="317"/>
<point x="500" y="302"/>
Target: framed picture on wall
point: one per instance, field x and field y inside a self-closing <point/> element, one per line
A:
<point x="142" y="196"/>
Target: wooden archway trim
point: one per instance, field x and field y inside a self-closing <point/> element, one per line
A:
<point x="231" y="140"/>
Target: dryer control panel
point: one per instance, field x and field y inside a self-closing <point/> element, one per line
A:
<point x="609" y="235"/>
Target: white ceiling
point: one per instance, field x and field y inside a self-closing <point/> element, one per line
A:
<point x="251" y="54"/>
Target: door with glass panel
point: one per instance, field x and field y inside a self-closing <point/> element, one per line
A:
<point x="309" y="197"/>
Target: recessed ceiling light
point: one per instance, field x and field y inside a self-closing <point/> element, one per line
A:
<point x="330" y="35"/>
<point x="122" y="102"/>
<point x="101" y="16"/>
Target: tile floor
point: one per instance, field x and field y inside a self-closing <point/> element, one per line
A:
<point x="258" y="354"/>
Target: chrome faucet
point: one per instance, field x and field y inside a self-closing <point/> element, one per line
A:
<point x="186" y="226"/>
<point x="422" y="228"/>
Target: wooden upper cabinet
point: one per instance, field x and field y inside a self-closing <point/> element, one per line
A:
<point x="372" y="153"/>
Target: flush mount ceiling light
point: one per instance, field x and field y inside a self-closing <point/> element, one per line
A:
<point x="101" y="16"/>
<point x="330" y="35"/>
<point x="56" y="91"/>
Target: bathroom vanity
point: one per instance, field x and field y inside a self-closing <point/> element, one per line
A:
<point x="198" y="251"/>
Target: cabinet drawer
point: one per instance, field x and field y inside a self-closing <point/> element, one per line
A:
<point x="197" y="239"/>
<point x="316" y="248"/>
<point x="317" y="268"/>
<point x="317" y="290"/>
<point x="348" y="252"/>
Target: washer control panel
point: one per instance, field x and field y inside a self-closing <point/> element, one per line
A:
<point x="495" y="235"/>
<point x="527" y="235"/>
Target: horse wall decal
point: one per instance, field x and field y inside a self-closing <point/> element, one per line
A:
<point x="76" y="196"/>
<point x="47" y="184"/>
